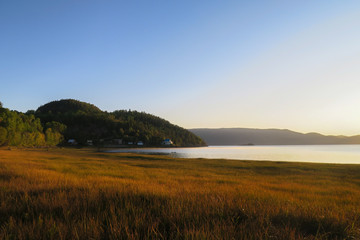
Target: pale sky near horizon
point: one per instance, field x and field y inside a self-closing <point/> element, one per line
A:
<point x="209" y="64"/>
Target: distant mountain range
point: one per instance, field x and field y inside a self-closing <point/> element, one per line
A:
<point x="250" y="136"/>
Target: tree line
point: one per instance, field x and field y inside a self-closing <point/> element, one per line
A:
<point x="56" y="122"/>
<point x="19" y="129"/>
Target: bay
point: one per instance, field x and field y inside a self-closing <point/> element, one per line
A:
<point x="342" y="154"/>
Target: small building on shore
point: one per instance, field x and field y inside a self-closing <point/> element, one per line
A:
<point x="167" y="142"/>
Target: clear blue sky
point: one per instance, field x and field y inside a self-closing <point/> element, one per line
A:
<point x="262" y="64"/>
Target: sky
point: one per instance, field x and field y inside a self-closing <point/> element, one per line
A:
<point x="198" y="64"/>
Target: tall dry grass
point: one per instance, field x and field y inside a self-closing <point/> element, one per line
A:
<point x="80" y="194"/>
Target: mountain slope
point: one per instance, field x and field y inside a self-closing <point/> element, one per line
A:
<point x="243" y="136"/>
<point x="68" y="105"/>
<point x="85" y="121"/>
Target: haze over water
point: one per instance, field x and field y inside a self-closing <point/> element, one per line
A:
<point x="343" y="154"/>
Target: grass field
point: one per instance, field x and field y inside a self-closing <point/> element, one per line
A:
<point x="82" y="194"/>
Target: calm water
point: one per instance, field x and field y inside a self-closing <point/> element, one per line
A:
<point x="298" y="153"/>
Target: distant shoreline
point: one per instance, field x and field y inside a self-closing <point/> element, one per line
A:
<point x="244" y="136"/>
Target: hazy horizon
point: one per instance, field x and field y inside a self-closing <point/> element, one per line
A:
<point x="204" y="64"/>
<point x="270" y="128"/>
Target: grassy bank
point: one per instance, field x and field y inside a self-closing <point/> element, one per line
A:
<point x="80" y="194"/>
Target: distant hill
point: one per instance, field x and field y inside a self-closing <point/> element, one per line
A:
<point x="245" y="136"/>
<point x="84" y="121"/>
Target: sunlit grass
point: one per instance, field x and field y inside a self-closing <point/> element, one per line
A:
<point x="81" y="194"/>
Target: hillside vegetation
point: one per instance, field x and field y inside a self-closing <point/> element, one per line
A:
<point x="18" y="129"/>
<point x="79" y="194"/>
<point x="58" y="121"/>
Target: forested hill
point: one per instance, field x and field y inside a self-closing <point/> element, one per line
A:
<point x="244" y="136"/>
<point x="85" y="121"/>
<point x="68" y="106"/>
<point x="58" y="121"/>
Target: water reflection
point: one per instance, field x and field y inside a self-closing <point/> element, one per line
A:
<point x="290" y="153"/>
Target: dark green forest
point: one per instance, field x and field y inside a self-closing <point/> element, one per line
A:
<point x="56" y="122"/>
<point x="19" y="129"/>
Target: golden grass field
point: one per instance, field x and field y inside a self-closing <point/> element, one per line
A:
<point x="83" y="194"/>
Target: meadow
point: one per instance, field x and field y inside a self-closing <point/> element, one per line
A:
<point x="84" y="194"/>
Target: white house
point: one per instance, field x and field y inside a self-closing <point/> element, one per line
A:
<point x="167" y="142"/>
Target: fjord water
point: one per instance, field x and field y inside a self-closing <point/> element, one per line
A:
<point x="345" y="154"/>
